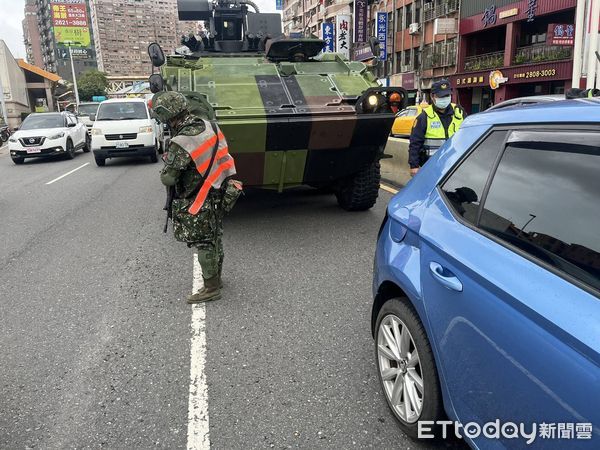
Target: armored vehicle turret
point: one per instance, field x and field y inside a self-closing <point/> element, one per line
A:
<point x="292" y="114"/>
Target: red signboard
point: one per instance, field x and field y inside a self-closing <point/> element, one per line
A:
<point x="69" y="15"/>
<point x="561" y="34"/>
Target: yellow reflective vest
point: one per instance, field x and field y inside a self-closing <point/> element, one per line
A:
<point x="436" y="134"/>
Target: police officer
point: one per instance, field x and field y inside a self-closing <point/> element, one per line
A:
<point x="436" y="123"/>
<point x="199" y="168"/>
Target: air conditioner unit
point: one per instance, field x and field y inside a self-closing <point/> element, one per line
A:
<point x="413" y="28"/>
<point x="405" y="68"/>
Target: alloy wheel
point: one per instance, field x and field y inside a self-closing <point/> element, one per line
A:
<point x="400" y="368"/>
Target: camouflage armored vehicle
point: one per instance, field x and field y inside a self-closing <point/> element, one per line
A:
<point x="291" y="114"/>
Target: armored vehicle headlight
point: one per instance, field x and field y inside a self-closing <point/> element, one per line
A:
<point x="372" y="100"/>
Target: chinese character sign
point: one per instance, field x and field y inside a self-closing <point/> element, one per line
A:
<point x="382" y="34"/>
<point x="342" y="35"/>
<point x="489" y="16"/>
<point x="531" y="8"/>
<point x="561" y="34"/>
<point x="360" y="21"/>
<point x="328" y="37"/>
<point x="69" y="18"/>
<point x="278" y="5"/>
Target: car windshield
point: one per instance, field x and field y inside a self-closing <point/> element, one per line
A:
<point x="122" y="111"/>
<point x="36" y="121"/>
<point x="86" y="110"/>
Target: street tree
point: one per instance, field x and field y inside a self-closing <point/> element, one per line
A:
<point x="91" y="83"/>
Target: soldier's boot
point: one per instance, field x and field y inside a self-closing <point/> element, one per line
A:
<point x="210" y="291"/>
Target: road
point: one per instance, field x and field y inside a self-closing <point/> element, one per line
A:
<point x="96" y="337"/>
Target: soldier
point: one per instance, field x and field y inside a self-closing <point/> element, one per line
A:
<point x="198" y="167"/>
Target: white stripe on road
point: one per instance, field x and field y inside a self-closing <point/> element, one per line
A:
<point x="68" y="173"/>
<point x="389" y="189"/>
<point x="197" y="436"/>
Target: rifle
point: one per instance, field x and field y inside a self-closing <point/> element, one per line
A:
<point x="169" y="206"/>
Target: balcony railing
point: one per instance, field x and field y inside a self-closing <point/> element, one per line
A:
<point x="542" y="52"/>
<point x="485" y="61"/>
<point x="440" y="8"/>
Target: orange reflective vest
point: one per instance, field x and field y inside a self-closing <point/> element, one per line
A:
<point x="200" y="148"/>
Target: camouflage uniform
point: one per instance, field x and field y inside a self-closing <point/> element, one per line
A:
<point x="205" y="229"/>
<point x="199" y="204"/>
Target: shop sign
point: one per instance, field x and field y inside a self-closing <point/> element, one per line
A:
<point x="444" y="26"/>
<point x="408" y="81"/>
<point x="328" y="37"/>
<point x="531" y="8"/>
<point x="278" y="5"/>
<point x="508" y="13"/>
<point x="362" y="52"/>
<point x="561" y="34"/>
<point x="536" y="74"/>
<point x="342" y="36"/>
<point x="360" y="21"/>
<point x="489" y="16"/>
<point x="496" y="79"/>
<point x="469" y="80"/>
<point x="382" y="34"/>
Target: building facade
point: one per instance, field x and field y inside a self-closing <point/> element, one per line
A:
<point x="31" y="34"/>
<point x="124" y="28"/>
<point x="13" y="86"/>
<point x="513" y="49"/>
<point x="61" y="27"/>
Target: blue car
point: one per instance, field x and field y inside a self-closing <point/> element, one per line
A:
<point x="486" y="311"/>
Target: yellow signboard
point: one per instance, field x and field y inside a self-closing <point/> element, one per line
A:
<point x="73" y="36"/>
<point x="508" y="13"/>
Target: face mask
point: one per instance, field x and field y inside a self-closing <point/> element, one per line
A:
<point x="442" y="102"/>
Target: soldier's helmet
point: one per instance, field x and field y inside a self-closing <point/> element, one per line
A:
<point x="168" y="105"/>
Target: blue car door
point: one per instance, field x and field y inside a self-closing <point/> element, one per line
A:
<point x="510" y="273"/>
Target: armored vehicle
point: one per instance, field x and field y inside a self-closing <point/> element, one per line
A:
<point x="292" y="115"/>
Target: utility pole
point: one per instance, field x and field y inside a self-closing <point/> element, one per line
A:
<point x="4" y="114"/>
<point x="593" y="47"/>
<point x="578" y="48"/>
<point x="70" y="45"/>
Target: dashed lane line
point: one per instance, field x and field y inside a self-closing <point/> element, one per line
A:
<point x="198" y="430"/>
<point x="68" y="173"/>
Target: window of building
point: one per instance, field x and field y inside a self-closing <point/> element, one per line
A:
<point x="408" y="15"/>
<point x="543" y="201"/>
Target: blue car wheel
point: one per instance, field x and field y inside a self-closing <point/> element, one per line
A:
<point x="406" y="367"/>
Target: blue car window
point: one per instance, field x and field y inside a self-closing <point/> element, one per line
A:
<point x="464" y="188"/>
<point x="543" y="200"/>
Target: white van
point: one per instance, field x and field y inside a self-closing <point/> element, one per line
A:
<point x="123" y="127"/>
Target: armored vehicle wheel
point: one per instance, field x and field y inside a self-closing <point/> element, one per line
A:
<point x="359" y="192"/>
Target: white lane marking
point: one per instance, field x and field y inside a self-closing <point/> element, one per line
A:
<point x="388" y="189"/>
<point x="68" y="173"/>
<point x="197" y="435"/>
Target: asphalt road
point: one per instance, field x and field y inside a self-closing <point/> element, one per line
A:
<point x="95" y="332"/>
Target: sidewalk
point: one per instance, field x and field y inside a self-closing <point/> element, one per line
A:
<point x="394" y="170"/>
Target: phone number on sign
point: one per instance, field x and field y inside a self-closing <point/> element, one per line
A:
<point x="536" y="74"/>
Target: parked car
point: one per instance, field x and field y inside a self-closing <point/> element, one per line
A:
<point x="124" y="128"/>
<point x="405" y="120"/>
<point x="43" y="135"/>
<point x="487" y="278"/>
<point x="526" y="101"/>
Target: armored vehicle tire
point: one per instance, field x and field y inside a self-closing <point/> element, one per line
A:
<point x="100" y="162"/>
<point x="359" y="192"/>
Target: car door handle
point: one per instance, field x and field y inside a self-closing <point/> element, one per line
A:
<point x="445" y="277"/>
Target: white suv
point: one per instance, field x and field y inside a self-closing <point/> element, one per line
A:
<point x="123" y="127"/>
<point x="43" y="135"/>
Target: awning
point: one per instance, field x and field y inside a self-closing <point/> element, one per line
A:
<point x="38" y="71"/>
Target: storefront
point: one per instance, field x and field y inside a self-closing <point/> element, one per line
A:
<point x="477" y="91"/>
<point x="513" y="49"/>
